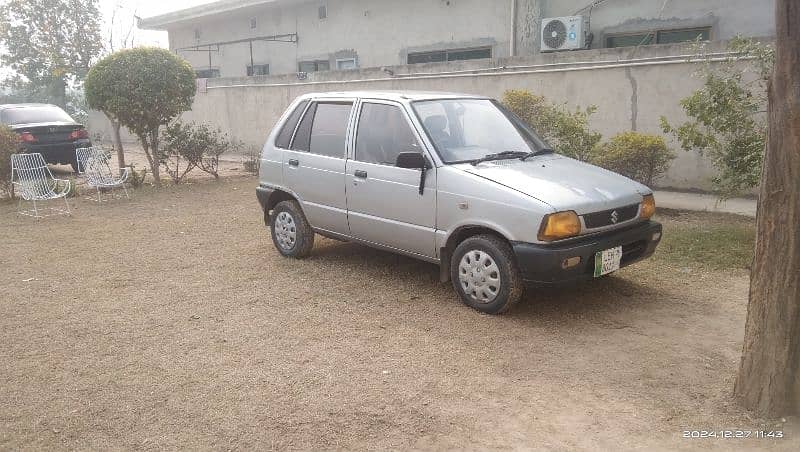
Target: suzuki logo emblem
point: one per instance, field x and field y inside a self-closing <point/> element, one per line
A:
<point x="53" y="130"/>
<point x="614" y="217"/>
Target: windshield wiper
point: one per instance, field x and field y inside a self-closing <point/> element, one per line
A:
<point x="505" y="155"/>
<point x="544" y="151"/>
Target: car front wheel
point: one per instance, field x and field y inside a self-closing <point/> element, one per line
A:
<point x="291" y="233"/>
<point x="485" y="274"/>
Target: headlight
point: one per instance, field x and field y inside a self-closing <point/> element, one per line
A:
<point x="561" y="225"/>
<point x="648" y="207"/>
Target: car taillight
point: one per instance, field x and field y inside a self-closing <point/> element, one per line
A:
<point x="77" y="134"/>
<point x="27" y="137"/>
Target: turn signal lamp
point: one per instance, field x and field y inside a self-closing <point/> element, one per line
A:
<point x="648" y="207"/>
<point x="561" y="225"/>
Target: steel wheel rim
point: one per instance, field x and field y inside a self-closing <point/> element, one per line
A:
<point x="479" y="276"/>
<point x="285" y="231"/>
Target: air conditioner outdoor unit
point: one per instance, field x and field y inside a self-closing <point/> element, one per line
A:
<point x="564" y="33"/>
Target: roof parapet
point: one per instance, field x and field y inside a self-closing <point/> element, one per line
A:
<point x="164" y="21"/>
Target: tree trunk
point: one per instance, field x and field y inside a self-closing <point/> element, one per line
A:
<point x="149" y="143"/>
<point x="155" y="164"/>
<point x="115" y="126"/>
<point x="769" y="375"/>
<point x="58" y="92"/>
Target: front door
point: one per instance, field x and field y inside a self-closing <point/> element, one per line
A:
<point x="314" y="167"/>
<point x="384" y="205"/>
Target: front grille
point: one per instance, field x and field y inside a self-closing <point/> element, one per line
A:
<point x="607" y="217"/>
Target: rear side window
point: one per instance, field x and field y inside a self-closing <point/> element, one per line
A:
<point x="285" y="135"/>
<point x="330" y="129"/>
<point x="323" y="129"/>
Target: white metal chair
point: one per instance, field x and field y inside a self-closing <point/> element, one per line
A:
<point x="94" y="163"/>
<point x="33" y="182"/>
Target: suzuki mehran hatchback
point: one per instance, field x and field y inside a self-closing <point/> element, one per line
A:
<point x="452" y="179"/>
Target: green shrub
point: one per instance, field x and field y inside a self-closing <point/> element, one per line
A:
<point x="142" y="89"/>
<point x="136" y="178"/>
<point x="567" y="131"/>
<point x="726" y="121"/>
<point x="73" y="188"/>
<point x="9" y="144"/>
<point x="252" y="161"/>
<point x="640" y="156"/>
<point x="189" y="146"/>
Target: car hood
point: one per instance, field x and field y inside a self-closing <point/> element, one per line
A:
<point x="563" y="183"/>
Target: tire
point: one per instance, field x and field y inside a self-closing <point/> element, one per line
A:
<point x="292" y="235"/>
<point x="479" y="261"/>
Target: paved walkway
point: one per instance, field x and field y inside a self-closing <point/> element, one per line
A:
<point x="702" y="202"/>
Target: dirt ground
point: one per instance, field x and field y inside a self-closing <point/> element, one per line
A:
<point x="169" y="321"/>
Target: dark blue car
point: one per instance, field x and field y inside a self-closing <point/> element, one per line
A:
<point x="46" y="129"/>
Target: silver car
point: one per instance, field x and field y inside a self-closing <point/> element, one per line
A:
<point x="452" y="179"/>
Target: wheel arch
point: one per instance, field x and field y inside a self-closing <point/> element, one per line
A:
<point x="457" y="236"/>
<point x="269" y="198"/>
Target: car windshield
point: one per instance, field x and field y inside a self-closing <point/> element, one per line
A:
<point x="33" y="115"/>
<point x="464" y="130"/>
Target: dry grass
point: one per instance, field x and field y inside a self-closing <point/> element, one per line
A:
<point x="170" y="322"/>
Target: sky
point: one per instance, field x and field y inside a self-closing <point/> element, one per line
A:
<point x="125" y="10"/>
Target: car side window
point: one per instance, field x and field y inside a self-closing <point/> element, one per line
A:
<point x="437" y="123"/>
<point x="383" y="133"/>
<point x="329" y="129"/>
<point x="285" y="135"/>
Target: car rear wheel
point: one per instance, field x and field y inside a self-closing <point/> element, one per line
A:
<point x="485" y="274"/>
<point x="291" y="233"/>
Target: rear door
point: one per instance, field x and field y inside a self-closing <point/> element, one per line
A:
<point x="314" y="166"/>
<point x="383" y="201"/>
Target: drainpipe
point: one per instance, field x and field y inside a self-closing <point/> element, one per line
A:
<point x="513" y="42"/>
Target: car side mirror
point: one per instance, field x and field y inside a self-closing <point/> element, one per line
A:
<point x="411" y="160"/>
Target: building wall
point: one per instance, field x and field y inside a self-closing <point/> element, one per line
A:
<point x="383" y="32"/>
<point x="377" y="33"/>
<point x="727" y="18"/>
<point x="632" y="89"/>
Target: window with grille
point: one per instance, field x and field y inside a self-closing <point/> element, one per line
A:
<point x="257" y="69"/>
<point x="440" y="56"/>
<point x="314" y="66"/>
<point x="207" y="73"/>
<point x="659" y="37"/>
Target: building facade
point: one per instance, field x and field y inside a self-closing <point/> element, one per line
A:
<point x="236" y="38"/>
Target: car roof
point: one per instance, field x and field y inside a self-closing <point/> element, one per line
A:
<point x="398" y="96"/>
<point x="14" y="106"/>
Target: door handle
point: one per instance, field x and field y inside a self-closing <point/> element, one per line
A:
<point x="361" y="174"/>
<point x="294" y="162"/>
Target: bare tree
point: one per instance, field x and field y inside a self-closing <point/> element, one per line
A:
<point x="769" y="374"/>
<point x="126" y="41"/>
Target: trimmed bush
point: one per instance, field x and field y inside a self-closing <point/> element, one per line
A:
<point x="142" y="89"/>
<point x="639" y="156"/>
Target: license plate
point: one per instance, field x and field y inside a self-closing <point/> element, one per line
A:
<point x="607" y="261"/>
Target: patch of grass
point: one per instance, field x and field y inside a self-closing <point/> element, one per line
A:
<point x="709" y="244"/>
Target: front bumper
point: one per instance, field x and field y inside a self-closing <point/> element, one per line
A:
<point x="61" y="152"/>
<point x="542" y="264"/>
